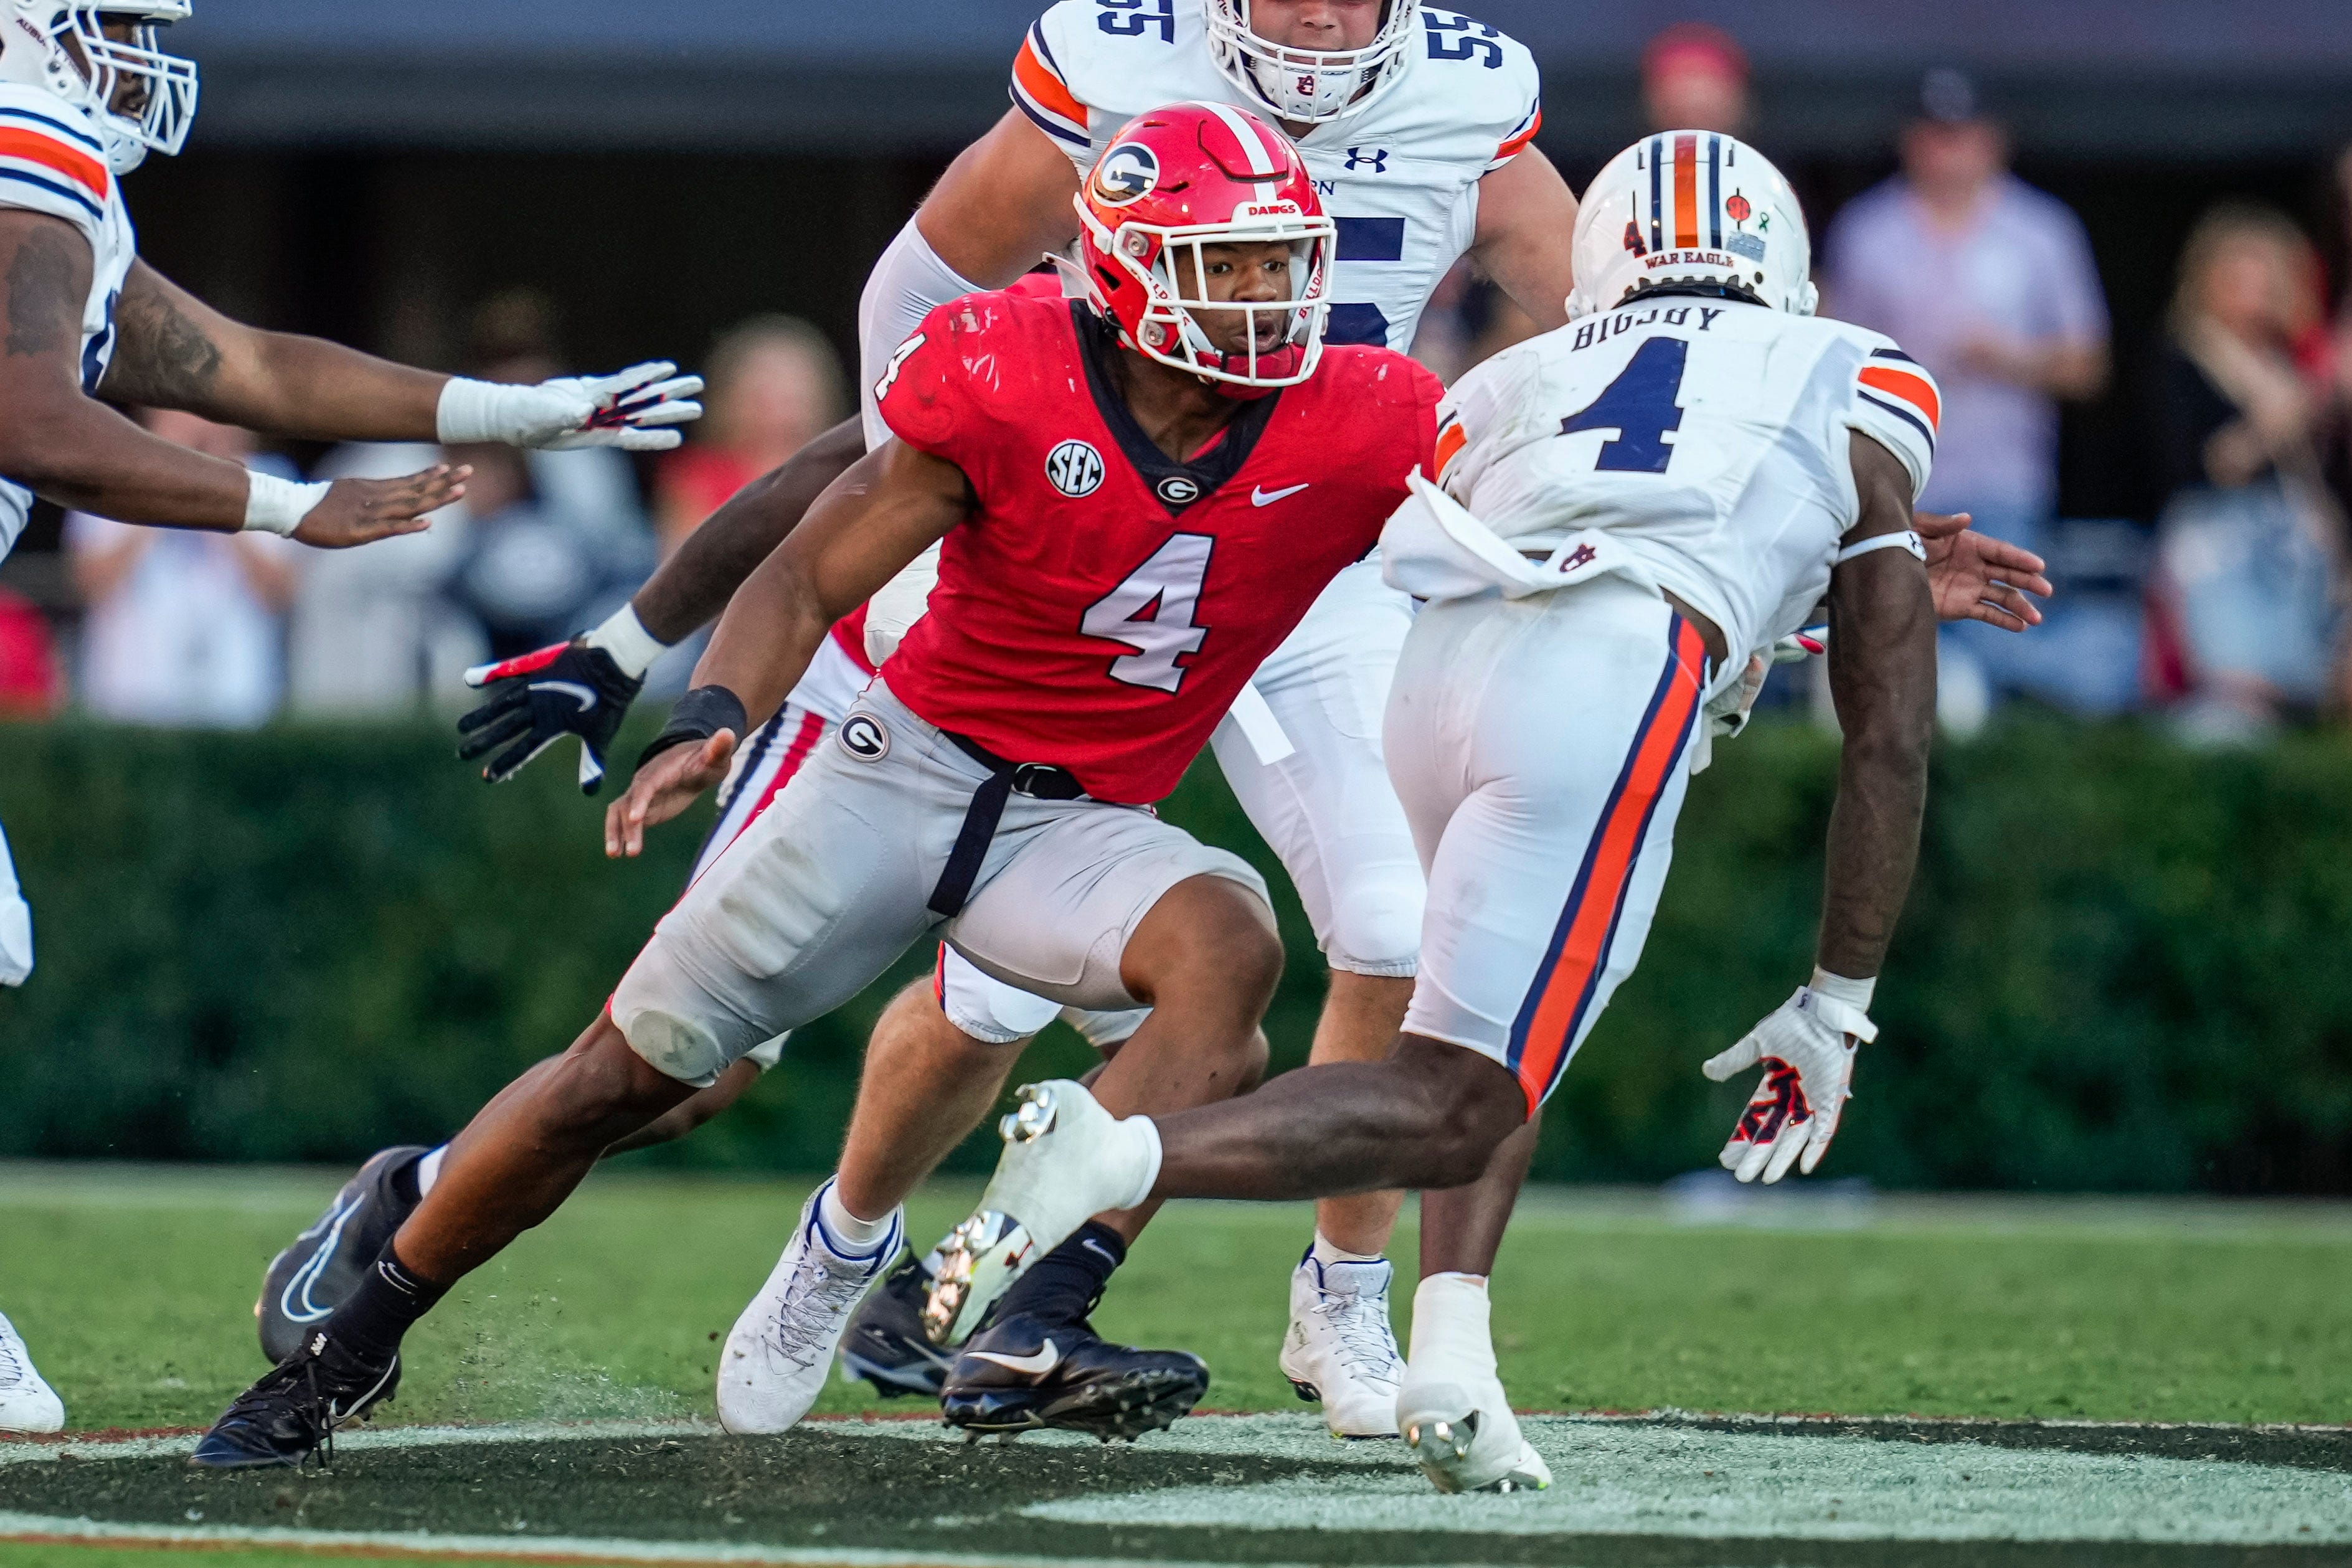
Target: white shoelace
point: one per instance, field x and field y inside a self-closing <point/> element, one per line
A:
<point x="816" y="1302"/>
<point x="1366" y="1346"/>
<point x="16" y="1372"/>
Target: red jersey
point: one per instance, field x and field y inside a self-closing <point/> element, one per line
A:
<point x="1103" y="606"/>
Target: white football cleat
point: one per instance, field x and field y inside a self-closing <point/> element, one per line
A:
<point x="777" y="1356"/>
<point x="1341" y="1349"/>
<point x="1451" y="1408"/>
<point x="1065" y="1161"/>
<point x="26" y="1403"/>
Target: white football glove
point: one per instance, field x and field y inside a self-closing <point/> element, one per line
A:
<point x="1806" y="1047"/>
<point x="632" y="410"/>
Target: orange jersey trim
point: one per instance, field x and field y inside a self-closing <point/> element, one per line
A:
<point x="1518" y="144"/>
<point x="35" y="148"/>
<point x="1915" y="390"/>
<point x="1450" y="442"/>
<point x="1041" y="84"/>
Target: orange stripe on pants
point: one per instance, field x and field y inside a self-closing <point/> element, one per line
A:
<point x="1617" y="842"/>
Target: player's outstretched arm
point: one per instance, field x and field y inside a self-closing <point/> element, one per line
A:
<point x="70" y="448"/>
<point x="1003" y="203"/>
<point x="584" y="687"/>
<point x="1883" y="679"/>
<point x="174" y="351"/>
<point x="1883" y="676"/>
<point x="694" y="585"/>
<point x="891" y="505"/>
<point x="1526" y="222"/>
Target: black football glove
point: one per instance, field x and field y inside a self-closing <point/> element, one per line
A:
<point x="570" y="689"/>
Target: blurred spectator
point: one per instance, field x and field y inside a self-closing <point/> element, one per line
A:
<point x="1989" y="283"/>
<point x="544" y="544"/>
<point x="2337" y="362"/>
<point x="372" y="634"/>
<point x="774" y="384"/>
<point x="29" y="687"/>
<point x="2249" y="537"/>
<point x="184" y="627"/>
<point x="1694" y="78"/>
<point x="535" y="569"/>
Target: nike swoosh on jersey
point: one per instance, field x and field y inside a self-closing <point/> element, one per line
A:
<point x="1047" y="1358"/>
<point x="571" y="689"/>
<point x="1261" y="496"/>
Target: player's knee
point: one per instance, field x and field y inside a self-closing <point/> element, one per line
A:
<point x="1375" y="924"/>
<point x="603" y="1081"/>
<point x="1209" y="944"/>
<point x="1473" y="1104"/>
<point x="1255" y="1059"/>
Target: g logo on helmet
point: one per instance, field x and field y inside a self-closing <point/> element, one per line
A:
<point x="862" y="737"/>
<point x="1075" y="469"/>
<point x="1128" y="172"/>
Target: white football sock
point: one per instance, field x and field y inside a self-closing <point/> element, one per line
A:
<point x="1327" y="1252"/>
<point x="1451" y="1323"/>
<point x="841" y="1226"/>
<point x="428" y="1169"/>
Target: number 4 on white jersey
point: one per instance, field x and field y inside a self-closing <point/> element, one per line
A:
<point x="1151" y="613"/>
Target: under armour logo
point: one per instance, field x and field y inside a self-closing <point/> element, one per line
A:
<point x="1376" y="158"/>
<point x="1582" y="555"/>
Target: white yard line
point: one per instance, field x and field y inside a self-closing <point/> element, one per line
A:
<point x="21" y="1528"/>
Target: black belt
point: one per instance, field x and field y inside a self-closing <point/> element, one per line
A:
<point x="1039" y="781"/>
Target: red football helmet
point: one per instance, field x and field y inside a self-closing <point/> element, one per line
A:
<point x="1178" y="180"/>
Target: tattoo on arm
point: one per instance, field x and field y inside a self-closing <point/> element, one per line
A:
<point x="163" y="357"/>
<point x="47" y="282"/>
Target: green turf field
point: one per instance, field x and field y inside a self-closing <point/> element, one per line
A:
<point x="557" y="1409"/>
<point x="134" y="1288"/>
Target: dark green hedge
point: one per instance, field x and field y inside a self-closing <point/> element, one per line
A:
<point x="2124" y="966"/>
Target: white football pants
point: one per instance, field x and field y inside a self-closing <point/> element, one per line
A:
<point x="1540" y="747"/>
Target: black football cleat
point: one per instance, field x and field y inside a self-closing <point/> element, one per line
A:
<point x="293" y="1413"/>
<point x="885" y="1343"/>
<point x="311" y="1278"/>
<point x="1025" y="1372"/>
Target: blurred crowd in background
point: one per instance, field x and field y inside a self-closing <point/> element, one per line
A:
<point x="2226" y="618"/>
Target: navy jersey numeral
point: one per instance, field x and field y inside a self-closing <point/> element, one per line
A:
<point x="1131" y="19"/>
<point x="94" y="352"/>
<point x="1357" y="324"/>
<point x="1476" y="40"/>
<point x="1640" y="406"/>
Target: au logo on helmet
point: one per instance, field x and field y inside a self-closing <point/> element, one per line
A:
<point x="1128" y="172"/>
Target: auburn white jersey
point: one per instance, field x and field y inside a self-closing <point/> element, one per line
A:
<point x="1706" y="439"/>
<point x="52" y="162"/>
<point x="1401" y="178"/>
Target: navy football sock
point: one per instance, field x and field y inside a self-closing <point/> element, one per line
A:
<point x="1064" y="1285"/>
<point x="389" y="1298"/>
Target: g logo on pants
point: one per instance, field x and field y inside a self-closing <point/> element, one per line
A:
<point x="862" y="737"/>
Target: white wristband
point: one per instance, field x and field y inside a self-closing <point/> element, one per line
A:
<point x="626" y="642"/>
<point x="467" y="411"/>
<point x="1841" y="1003"/>
<point x="273" y="505"/>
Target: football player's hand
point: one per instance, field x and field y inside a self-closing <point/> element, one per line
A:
<point x="1977" y="577"/>
<point x="666" y="783"/>
<point x="1806" y="1047"/>
<point x="361" y="511"/>
<point x="635" y="410"/>
<point x="535" y="700"/>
